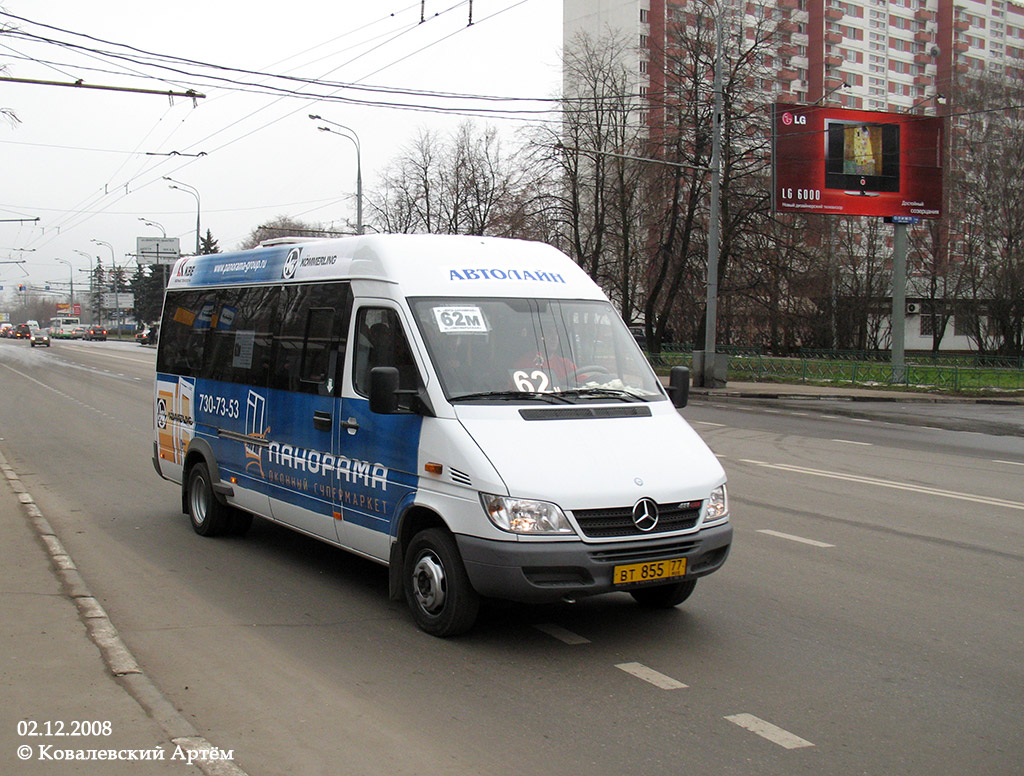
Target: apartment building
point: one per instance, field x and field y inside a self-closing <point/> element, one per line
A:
<point x="888" y="55"/>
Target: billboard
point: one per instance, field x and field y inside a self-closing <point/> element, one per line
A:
<point x="837" y="161"/>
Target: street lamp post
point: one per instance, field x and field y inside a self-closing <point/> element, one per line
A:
<point x="92" y="280"/>
<point x="147" y="222"/>
<point x="195" y="193"/>
<point x="116" y="284"/>
<point x="71" y="278"/>
<point x="354" y="139"/>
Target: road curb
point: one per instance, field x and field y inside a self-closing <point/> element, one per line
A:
<point x="114" y="652"/>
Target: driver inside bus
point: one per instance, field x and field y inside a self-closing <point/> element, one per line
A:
<point x="542" y="355"/>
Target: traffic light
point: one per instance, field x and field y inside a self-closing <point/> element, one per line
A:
<point x="21" y="287"/>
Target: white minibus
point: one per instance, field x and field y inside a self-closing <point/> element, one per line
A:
<point x="470" y="412"/>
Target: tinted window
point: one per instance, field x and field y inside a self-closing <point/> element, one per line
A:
<point x="281" y="336"/>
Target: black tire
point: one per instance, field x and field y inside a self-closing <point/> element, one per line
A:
<point x="209" y="517"/>
<point x="437" y="588"/>
<point x="664" y="596"/>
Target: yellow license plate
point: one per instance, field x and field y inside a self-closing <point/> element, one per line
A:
<point x="649" y="572"/>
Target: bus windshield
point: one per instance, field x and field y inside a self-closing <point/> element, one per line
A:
<point x="506" y="349"/>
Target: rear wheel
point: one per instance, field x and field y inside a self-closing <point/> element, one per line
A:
<point x="437" y="588"/>
<point x="664" y="596"/>
<point x="209" y="517"/>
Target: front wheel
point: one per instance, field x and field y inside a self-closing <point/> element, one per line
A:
<point x="437" y="588"/>
<point x="664" y="596"/>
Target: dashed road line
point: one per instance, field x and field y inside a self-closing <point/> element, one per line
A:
<point x="793" y="538"/>
<point x="640" y="671"/>
<point x="952" y="494"/>
<point x="562" y="634"/>
<point x="768" y="731"/>
<point x="852" y="442"/>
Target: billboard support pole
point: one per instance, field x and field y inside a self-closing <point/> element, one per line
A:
<point x="899" y="301"/>
<point x="714" y="219"/>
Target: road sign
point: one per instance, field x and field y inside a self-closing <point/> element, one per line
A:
<point x="158" y="250"/>
<point x="120" y="301"/>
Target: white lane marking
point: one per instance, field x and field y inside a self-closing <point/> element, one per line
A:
<point x="769" y="731"/>
<point x="1010" y="463"/>
<point x="860" y="420"/>
<point x="640" y="671"/>
<point x="707" y="423"/>
<point x="992" y="502"/>
<point x="851" y="442"/>
<point x="560" y="633"/>
<point x="793" y="538"/>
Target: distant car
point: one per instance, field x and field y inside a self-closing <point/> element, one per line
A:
<point x="78" y="332"/>
<point x="22" y="331"/>
<point x="95" y="333"/>
<point x="148" y="336"/>
<point x="40" y="337"/>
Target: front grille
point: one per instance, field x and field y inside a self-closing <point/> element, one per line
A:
<point x="618" y="521"/>
<point x="644" y="553"/>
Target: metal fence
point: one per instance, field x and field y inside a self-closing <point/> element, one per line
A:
<point x="842" y="371"/>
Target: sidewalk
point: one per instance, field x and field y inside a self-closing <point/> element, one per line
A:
<point x="74" y="700"/>
<point x="998" y="415"/>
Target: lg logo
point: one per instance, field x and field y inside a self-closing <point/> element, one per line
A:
<point x="789" y="119"/>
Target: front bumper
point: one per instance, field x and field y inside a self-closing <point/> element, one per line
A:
<point x="540" y="572"/>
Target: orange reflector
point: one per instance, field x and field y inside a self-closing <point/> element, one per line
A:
<point x="234" y="480"/>
<point x="433" y="468"/>
<point x="337" y="515"/>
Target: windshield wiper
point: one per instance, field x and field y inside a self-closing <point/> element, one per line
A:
<point x="550" y="398"/>
<point x="612" y="393"/>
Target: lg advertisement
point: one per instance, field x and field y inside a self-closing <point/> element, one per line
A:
<point x="855" y="162"/>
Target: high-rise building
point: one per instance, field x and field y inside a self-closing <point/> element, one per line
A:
<point x="888" y="55"/>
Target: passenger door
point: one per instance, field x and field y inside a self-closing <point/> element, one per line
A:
<point x="378" y="454"/>
<point x="302" y="456"/>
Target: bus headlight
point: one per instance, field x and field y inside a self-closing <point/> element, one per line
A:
<point x="718" y="505"/>
<point x="525" y="516"/>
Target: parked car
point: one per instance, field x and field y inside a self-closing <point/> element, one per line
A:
<point x="40" y="337"/>
<point x="95" y="332"/>
<point x="22" y="331"/>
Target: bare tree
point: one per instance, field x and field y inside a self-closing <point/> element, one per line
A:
<point x="601" y="202"/>
<point x="988" y="208"/>
<point x="460" y="184"/>
<point x="284" y="226"/>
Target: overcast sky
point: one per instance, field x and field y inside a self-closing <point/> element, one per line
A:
<point x="85" y="161"/>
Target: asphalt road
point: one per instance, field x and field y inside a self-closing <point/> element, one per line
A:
<point x="868" y="621"/>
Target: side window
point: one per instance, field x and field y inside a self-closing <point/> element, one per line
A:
<point x="240" y="335"/>
<point x="187" y="316"/>
<point x="381" y="341"/>
<point x="313" y="325"/>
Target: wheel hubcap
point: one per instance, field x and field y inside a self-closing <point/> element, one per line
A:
<point x="199" y="503"/>
<point x="428" y="584"/>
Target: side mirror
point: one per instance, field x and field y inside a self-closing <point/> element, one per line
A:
<point x="384" y="390"/>
<point x="679" y="386"/>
